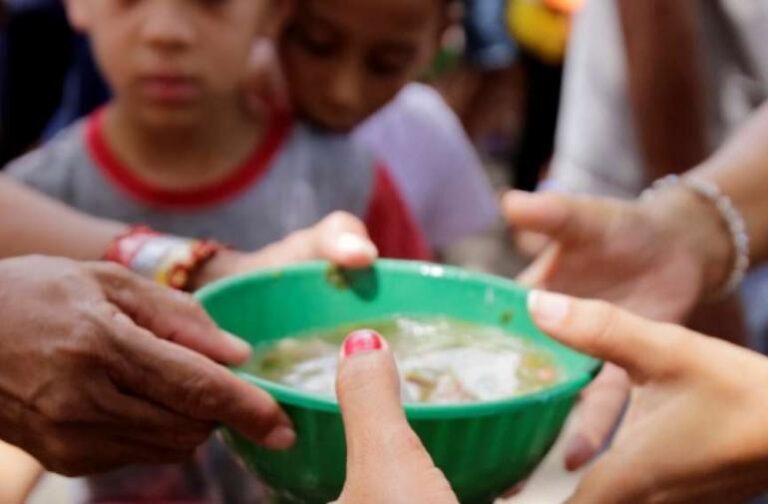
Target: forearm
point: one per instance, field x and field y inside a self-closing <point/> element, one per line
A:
<point x="740" y="169"/>
<point x="31" y="223"/>
<point x="666" y="83"/>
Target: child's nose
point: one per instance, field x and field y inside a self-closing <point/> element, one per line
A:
<point x="167" y="27"/>
<point x="346" y="88"/>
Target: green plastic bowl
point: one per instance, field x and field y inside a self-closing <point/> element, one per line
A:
<point x="483" y="448"/>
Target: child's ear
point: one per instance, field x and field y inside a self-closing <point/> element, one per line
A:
<point x="280" y="12"/>
<point x="450" y="17"/>
<point x="79" y="14"/>
<point x="447" y="20"/>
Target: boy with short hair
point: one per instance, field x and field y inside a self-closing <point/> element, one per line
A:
<point x="175" y="150"/>
<point x="350" y="65"/>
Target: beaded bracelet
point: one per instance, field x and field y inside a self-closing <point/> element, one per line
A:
<point x="168" y="260"/>
<point x="732" y="218"/>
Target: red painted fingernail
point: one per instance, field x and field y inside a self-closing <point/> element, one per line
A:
<point x="363" y="340"/>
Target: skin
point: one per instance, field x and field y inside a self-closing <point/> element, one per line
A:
<point x="20" y="471"/>
<point x="694" y="431"/>
<point x="345" y="59"/>
<point x="657" y="258"/>
<point x="661" y="282"/>
<point x="386" y="462"/>
<point x="666" y="83"/>
<point x="668" y="96"/>
<point x="32" y="223"/>
<point x="119" y="361"/>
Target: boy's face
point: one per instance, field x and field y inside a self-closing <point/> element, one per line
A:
<point x="173" y="60"/>
<point x="345" y="59"/>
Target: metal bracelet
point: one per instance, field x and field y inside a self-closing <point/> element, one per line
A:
<point x="730" y="215"/>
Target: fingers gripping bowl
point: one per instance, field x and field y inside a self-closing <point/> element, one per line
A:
<point x="482" y="447"/>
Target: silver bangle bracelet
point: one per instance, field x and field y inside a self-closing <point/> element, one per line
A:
<point x="732" y="218"/>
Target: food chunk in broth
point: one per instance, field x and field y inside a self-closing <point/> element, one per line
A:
<point x="441" y="360"/>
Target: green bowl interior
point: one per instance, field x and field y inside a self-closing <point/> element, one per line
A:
<point x="266" y="306"/>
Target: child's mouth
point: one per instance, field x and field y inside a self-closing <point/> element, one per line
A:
<point x="170" y="89"/>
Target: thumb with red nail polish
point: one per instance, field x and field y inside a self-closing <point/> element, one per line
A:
<point x="362" y="340"/>
<point x="386" y="461"/>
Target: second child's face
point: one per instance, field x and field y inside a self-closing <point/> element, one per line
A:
<point x="345" y="59"/>
<point x="171" y="59"/>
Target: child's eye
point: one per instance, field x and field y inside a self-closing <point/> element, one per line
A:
<point x="314" y="44"/>
<point x="386" y="68"/>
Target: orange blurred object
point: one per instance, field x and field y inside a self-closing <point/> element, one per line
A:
<point x="565" y="6"/>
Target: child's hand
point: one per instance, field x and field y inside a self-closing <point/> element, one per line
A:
<point x="695" y="428"/>
<point x="340" y="238"/>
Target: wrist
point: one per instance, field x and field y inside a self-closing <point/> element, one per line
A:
<point x="696" y="225"/>
<point x="165" y="259"/>
<point x="225" y="263"/>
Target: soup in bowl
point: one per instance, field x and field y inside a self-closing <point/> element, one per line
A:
<point x="484" y="389"/>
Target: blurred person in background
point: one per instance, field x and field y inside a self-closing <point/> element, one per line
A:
<point x="652" y="88"/>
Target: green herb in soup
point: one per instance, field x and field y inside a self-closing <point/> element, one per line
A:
<point x="441" y="360"/>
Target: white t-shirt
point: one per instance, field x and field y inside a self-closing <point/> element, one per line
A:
<point x="596" y="149"/>
<point x="435" y="165"/>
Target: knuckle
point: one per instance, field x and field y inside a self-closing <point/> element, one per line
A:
<point x="338" y="217"/>
<point x="187" y="302"/>
<point x="340" y="220"/>
<point x="199" y="398"/>
<point x="406" y="443"/>
<point x="196" y="312"/>
<point x="268" y="413"/>
<point x="88" y="339"/>
<point x="109" y="273"/>
<point x="59" y="410"/>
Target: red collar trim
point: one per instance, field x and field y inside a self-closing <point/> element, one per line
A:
<point x="243" y="177"/>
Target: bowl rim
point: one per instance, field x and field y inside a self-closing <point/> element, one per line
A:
<point x="317" y="402"/>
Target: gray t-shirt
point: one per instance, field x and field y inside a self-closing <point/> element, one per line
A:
<point x="297" y="176"/>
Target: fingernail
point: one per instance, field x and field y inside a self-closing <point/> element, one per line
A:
<point x="350" y="243"/>
<point x="280" y="438"/>
<point x="548" y="309"/>
<point x="578" y="452"/>
<point x="237" y="343"/>
<point x="363" y="340"/>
